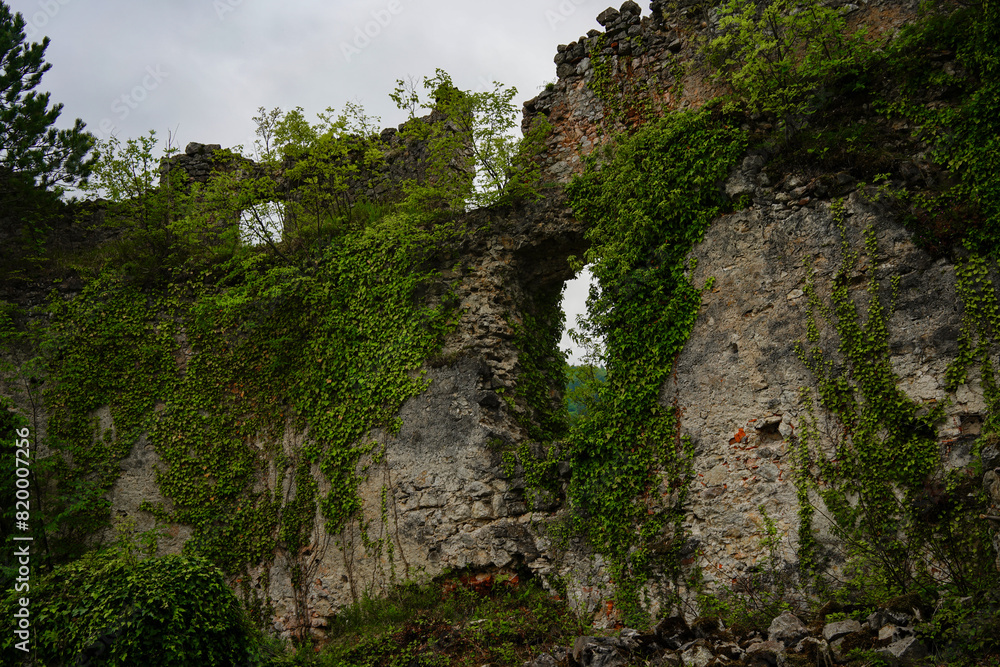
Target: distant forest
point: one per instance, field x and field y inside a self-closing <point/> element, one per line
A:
<point x="581" y="389"/>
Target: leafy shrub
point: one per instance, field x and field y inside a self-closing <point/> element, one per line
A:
<point x="458" y="619"/>
<point x="107" y="608"/>
<point x="960" y="631"/>
<point x="777" y="55"/>
<point x="647" y="203"/>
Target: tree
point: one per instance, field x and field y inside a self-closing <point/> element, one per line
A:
<point x="778" y="55"/>
<point x="146" y="214"/>
<point x="35" y="157"/>
<point x="474" y="159"/>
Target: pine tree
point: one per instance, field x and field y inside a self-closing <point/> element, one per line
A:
<point x="37" y="160"/>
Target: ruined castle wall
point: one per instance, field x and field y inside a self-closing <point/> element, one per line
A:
<point x="404" y="159"/>
<point x="448" y="501"/>
<point x="609" y="80"/>
<point x="739" y="378"/>
<point x="738" y="381"/>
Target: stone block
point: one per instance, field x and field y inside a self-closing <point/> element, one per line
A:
<point x="787" y="629"/>
<point x="837" y="629"/>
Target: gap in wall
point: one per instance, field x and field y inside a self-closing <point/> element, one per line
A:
<point x="574" y="304"/>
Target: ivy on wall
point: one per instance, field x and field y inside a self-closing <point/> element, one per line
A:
<point x="260" y="375"/>
<point x="647" y="202"/>
<point x="629" y="99"/>
<point x="908" y="524"/>
<point x="980" y="327"/>
<point x="220" y="371"/>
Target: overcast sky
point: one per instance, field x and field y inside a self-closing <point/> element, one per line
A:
<point x="199" y="69"/>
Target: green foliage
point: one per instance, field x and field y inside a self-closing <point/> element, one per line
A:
<point x="582" y="390"/>
<point x="458" y="620"/>
<point x="542" y="364"/>
<point x="110" y="608"/>
<point x="477" y="159"/>
<point x="980" y="325"/>
<point x="962" y="633"/>
<point x="647" y="203"/>
<point x="324" y="341"/>
<point x="778" y="55"/>
<point x="264" y="353"/>
<point x="37" y="160"/>
<point x="963" y="134"/>
<point x="974" y="152"/>
<point x="33" y="153"/>
<point x="103" y="349"/>
<point x="311" y="174"/>
<point x="907" y="524"/>
<point x="144" y="214"/>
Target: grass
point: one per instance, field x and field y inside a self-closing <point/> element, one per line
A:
<point x="456" y="620"/>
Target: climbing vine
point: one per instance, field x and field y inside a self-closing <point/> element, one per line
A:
<point x="904" y="520"/>
<point x="543" y="415"/>
<point x="647" y="202"/>
<point x="962" y="135"/>
<point x="265" y="377"/>
<point x="222" y="369"/>
<point x="628" y="99"/>
<point x="980" y="326"/>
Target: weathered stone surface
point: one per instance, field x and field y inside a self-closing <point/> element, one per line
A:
<point x="597" y="652"/>
<point x="882" y="617"/>
<point x="736" y="383"/>
<point x="764" y="652"/>
<point x="890" y="633"/>
<point x="816" y="650"/>
<point x="787" y="629"/>
<point x="641" y="55"/>
<point x="699" y="654"/>
<point x="630" y="8"/>
<point x="136" y="484"/>
<point x="905" y="651"/>
<point x="837" y="629"/>
<point x="608" y="16"/>
<point x="667" y="659"/>
<point x="544" y="660"/>
<point x="738" y="378"/>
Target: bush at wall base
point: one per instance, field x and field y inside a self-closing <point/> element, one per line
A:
<point x="111" y="609"/>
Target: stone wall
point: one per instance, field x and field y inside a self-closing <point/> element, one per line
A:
<point x="644" y="64"/>
<point x="403" y="159"/>
<point x="450" y="504"/>
<point x="738" y="380"/>
<point x="198" y="161"/>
